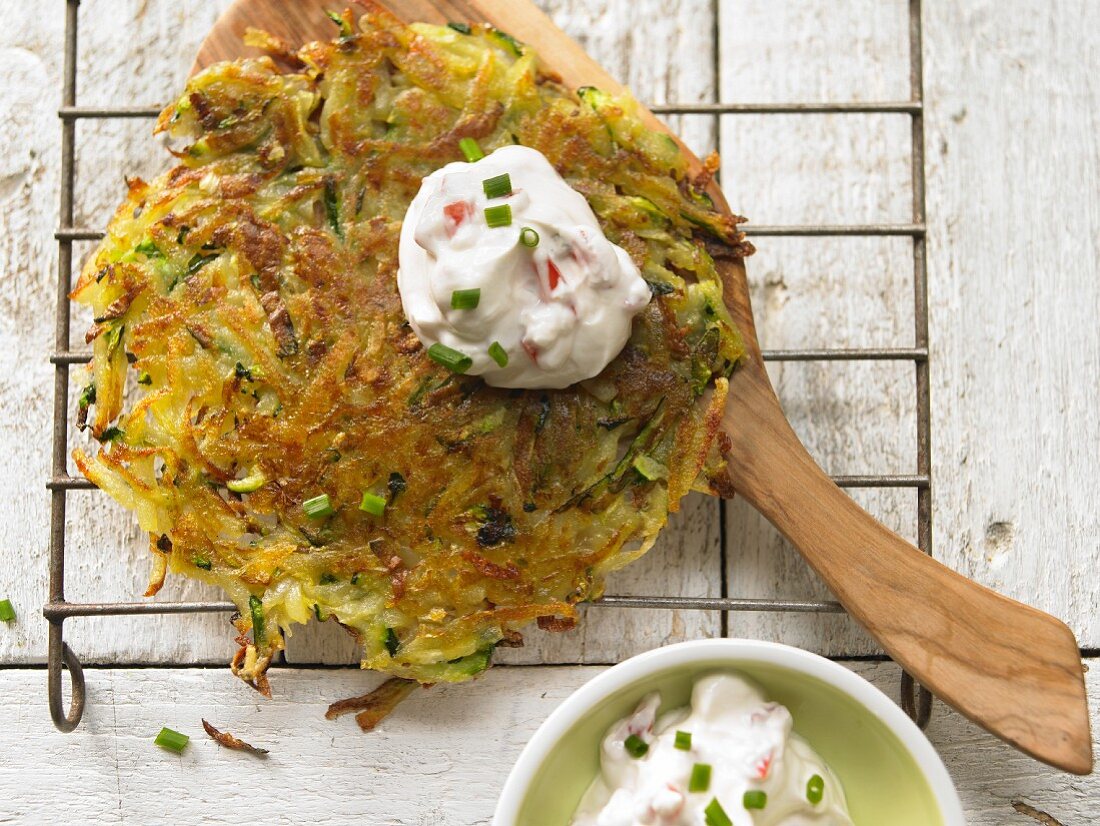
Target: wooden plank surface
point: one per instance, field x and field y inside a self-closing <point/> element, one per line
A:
<point x="1012" y="161"/>
<point x="1014" y="255"/>
<point x="1014" y="233"/>
<point x="439" y="761"/>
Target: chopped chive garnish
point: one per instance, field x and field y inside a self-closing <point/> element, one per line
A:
<point x="528" y="237"/>
<point x="355" y="578"/>
<point x="815" y="789"/>
<point x="650" y="469"/>
<point x="498" y="354"/>
<point x="7" y="613"/>
<point x="249" y="484"/>
<point x="470" y="148"/>
<point x="700" y="778"/>
<point x="172" y="740"/>
<point x="317" y="613"/>
<point x="635" y="746"/>
<point x="498" y="216"/>
<point x="317" y="507"/>
<point x="683" y="740"/>
<point x="328" y="579"/>
<point x="256" y="609"/>
<point x="391" y="641"/>
<point x="372" y="504"/>
<point x="498" y="186"/>
<point x="715" y="815"/>
<point x="202" y="562"/>
<point x="450" y="358"/>
<point x="755" y="799"/>
<point x="461" y="28"/>
<point x="465" y="299"/>
<point x="144" y="378"/>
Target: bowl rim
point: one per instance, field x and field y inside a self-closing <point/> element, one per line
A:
<point x="621" y="676"/>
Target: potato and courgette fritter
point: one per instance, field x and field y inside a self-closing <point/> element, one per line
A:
<point x="262" y="405"/>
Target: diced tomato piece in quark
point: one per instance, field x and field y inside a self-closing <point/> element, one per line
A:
<point x="456" y="213"/>
<point x="763" y="767"/>
<point x="554" y="273"/>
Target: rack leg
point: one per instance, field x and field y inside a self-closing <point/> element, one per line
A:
<point x="916" y="700"/>
<point x="59" y="654"/>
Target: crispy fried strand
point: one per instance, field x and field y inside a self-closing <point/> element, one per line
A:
<point x="231" y="742"/>
<point x="374" y="706"/>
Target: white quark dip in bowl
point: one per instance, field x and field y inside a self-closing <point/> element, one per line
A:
<point x="729" y="758"/>
<point x="766" y="718"/>
<point x="504" y="272"/>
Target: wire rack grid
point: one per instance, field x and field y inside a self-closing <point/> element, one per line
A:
<point x="915" y="700"/>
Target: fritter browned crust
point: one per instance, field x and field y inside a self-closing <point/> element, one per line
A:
<point x="249" y="297"/>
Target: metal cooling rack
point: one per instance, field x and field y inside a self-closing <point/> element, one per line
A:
<point x="916" y="701"/>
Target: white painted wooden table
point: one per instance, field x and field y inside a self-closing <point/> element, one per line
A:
<point x="1012" y="114"/>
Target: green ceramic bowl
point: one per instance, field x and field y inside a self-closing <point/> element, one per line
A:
<point x="891" y="773"/>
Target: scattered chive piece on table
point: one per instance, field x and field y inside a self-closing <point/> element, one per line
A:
<point x="700" y="778"/>
<point x="498" y="216"/>
<point x="256" y="609"/>
<point x="172" y="740"/>
<point x="498" y="354"/>
<point x="815" y="789"/>
<point x="683" y="740"/>
<point x="716" y="815"/>
<point x="7" y="613"/>
<point x="318" y="507"/>
<point x="465" y="299"/>
<point x="372" y="504"/>
<point x="755" y="799"/>
<point x="528" y="237"/>
<point x="449" y="357"/>
<point x="635" y="746"/>
<point x="470" y="148"/>
<point x="497" y="186"/>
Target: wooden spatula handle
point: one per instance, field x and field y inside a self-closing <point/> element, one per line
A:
<point x="1010" y="668"/>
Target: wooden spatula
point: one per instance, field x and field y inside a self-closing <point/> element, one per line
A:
<point x="1011" y="669"/>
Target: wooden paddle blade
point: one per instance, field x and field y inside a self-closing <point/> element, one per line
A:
<point x="1010" y="668"/>
<point x="305" y="20"/>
